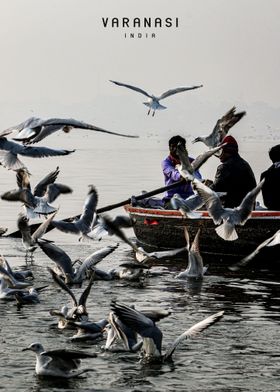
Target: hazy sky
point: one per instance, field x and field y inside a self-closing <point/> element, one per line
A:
<point x="57" y="59"/>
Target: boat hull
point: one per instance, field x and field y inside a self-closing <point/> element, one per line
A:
<point x="164" y="229"/>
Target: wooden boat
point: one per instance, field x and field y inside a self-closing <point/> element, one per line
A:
<point x="164" y="229"/>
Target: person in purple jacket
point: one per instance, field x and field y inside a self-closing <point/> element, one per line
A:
<point x="171" y="174"/>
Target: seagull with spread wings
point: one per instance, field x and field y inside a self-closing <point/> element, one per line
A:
<point x="84" y="224"/>
<point x="65" y="266"/>
<point x="227" y="218"/>
<point x="187" y="168"/>
<point x="35" y="129"/>
<point x="152" y="336"/>
<point x="223" y="125"/>
<point x="153" y="101"/>
<point x="9" y="152"/>
<point x="36" y="202"/>
<point x="270" y="242"/>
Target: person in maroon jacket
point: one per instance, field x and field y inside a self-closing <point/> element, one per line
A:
<point x="234" y="175"/>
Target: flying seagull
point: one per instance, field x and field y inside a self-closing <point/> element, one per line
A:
<point x="9" y="152"/>
<point x="271" y="241"/>
<point x="71" y="274"/>
<point x="83" y="225"/>
<point x="30" y="241"/>
<point x="36" y="203"/>
<point x="227" y="218"/>
<point x="187" y="168"/>
<point x="35" y="129"/>
<point x="221" y="128"/>
<point x="153" y="101"/>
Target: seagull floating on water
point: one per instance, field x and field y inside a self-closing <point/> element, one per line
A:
<point x="29" y="297"/>
<point x="35" y="129"/>
<point x="58" y="363"/>
<point x="153" y="101"/>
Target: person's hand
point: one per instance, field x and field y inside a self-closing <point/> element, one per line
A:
<point x="207" y="182"/>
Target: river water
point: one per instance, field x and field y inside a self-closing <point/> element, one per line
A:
<point x="240" y="353"/>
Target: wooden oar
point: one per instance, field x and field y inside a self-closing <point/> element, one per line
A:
<point x="17" y="234"/>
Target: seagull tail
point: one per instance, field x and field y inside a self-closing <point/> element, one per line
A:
<point x="227" y="231"/>
<point x="10" y="161"/>
<point x="159" y="106"/>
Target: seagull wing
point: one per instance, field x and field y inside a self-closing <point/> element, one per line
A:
<point x="193" y="331"/>
<point x="66" y="227"/>
<point x="85" y="293"/>
<point x="63" y="286"/>
<point x="42" y="228"/>
<point x="40" y="152"/>
<point x="166" y="253"/>
<point x="251" y="256"/>
<point x="89" y="207"/>
<point x="50" y="178"/>
<point x="139" y="90"/>
<point x="8" y="154"/>
<point x="230" y="119"/>
<point x="118" y="232"/>
<point x="156" y="314"/>
<point x="247" y="204"/>
<point x="211" y="200"/>
<point x="94" y="259"/>
<point x="54" y="124"/>
<point x="176" y="91"/>
<point x="202" y="158"/>
<point x="31" y="122"/>
<point x="6" y="265"/>
<point x="67" y="355"/>
<point x="187" y="206"/>
<point x="134" y="319"/>
<point x="54" y="190"/>
<point x="58" y="255"/>
<point x="22" y="195"/>
<point x="275" y="239"/>
<point x="184" y="158"/>
<point x="187" y="237"/>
